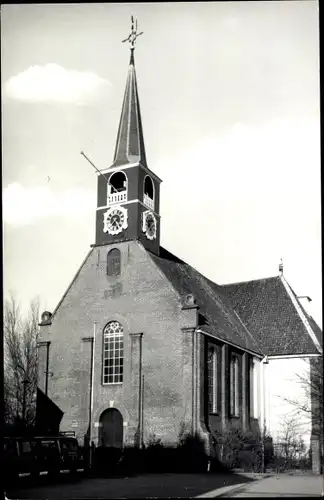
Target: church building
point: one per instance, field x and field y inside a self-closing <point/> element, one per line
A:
<point x="141" y="344"/>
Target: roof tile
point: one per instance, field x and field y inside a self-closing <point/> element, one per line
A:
<point x="270" y="315"/>
<point x="222" y="321"/>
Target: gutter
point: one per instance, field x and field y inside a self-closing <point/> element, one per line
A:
<point x="282" y="356"/>
<point x="260" y="356"/>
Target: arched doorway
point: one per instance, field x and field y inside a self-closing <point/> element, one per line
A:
<point x="111" y="429"/>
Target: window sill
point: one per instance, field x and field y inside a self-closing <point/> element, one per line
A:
<point x="112" y="383"/>
<point x="234" y="416"/>
<point x="214" y="413"/>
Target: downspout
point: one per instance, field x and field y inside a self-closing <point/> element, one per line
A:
<point x="140" y="397"/>
<point x="194" y="381"/>
<point x="92" y="347"/>
<point x="91" y="390"/>
<point x="47" y="366"/>
<point x="264" y="362"/>
<point x="142" y="416"/>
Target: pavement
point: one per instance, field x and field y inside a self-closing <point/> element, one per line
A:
<point x="174" y="485"/>
<point x="281" y="485"/>
<point x="141" y="486"/>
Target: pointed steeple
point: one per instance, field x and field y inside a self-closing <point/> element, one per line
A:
<point x="130" y="141"/>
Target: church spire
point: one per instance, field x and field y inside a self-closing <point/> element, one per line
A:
<point x="130" y="141"/>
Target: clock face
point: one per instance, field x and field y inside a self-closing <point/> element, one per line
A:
<point x="115" y="220"/>
<point x="149" y="225"/>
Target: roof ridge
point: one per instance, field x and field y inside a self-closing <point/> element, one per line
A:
<point x="301" y="313"/>
<point x="305" y="312"/>
<point x="249" y="281"/>
<point x="181" y="261"/>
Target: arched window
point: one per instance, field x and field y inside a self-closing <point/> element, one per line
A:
<point x="113" y="353"/>
<point x="117" y="188"/>
<point x="113" y="262"/>
<point x="149" y="192"/>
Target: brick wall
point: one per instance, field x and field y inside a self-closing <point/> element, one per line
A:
<point x="163" y="388"/>
<point x="149" y="306"/>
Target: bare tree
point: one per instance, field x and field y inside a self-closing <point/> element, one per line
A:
<point x="20" y="363"/>
<point x="290" y="448"/>
<point x="310" y="402"/>
<point x="315" y="389"/>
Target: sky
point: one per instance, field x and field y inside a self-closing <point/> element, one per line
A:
<point x="229" y="95"/>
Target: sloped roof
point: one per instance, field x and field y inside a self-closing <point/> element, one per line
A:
<point x="270" y="315"/>
<point x="221" y="319"/>
<point x="314" y="326"/>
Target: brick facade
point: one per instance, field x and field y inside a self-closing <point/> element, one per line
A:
<point x="164" y="385"/>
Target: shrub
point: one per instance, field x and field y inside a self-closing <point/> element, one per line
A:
<point x="132" y="461"/>
<point x="187" y="456"/>
<point x="192" y="454"/>
<point x="106" y="460"/>
<point x="238" y="449"/>
<point x="154" y="455"/>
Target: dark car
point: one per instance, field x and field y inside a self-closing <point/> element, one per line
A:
<point x="71" y="456"/>
<point x="19" y="457"/>
<point x="34" y="455"/>
<point x="47" y="454"/>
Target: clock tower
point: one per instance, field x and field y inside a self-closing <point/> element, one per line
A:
<point x="128" y="199"/>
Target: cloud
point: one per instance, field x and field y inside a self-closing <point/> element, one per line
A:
<point x="53" y="83"/>
<point x="22" y="206"/>
<point x="281" y="156"/>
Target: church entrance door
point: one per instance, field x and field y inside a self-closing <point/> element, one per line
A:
<point x="111" y="429"/>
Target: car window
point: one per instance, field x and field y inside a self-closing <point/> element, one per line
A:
<point x="10" y="447"/>
<point x="49" y="444"/>
<point x="49" y="448"/>
<point x="25" y="447"/>
<point x="69" y="445"/>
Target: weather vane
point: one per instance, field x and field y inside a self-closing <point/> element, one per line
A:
<point x="281" y="266"/>
<point x="133" y="34"/>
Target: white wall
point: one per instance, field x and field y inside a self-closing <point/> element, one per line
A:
<point x="281" y="383"/>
